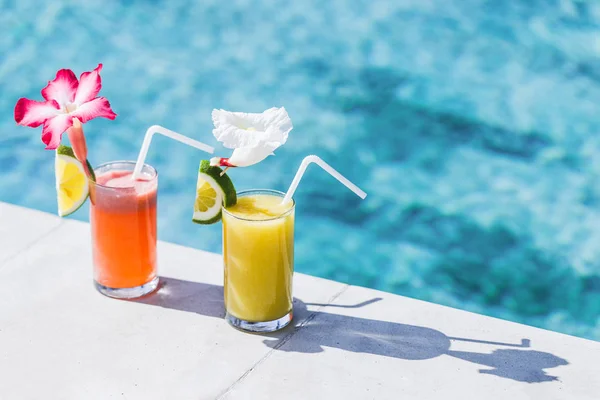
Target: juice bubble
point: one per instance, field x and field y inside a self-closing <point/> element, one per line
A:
<point x="122" y="180"/>
<point x="259" y="207"/>
<point x="117" y="192"/>
<point x="119" y="181"/>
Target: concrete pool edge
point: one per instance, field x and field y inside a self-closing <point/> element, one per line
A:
<point x="346" y="342"/>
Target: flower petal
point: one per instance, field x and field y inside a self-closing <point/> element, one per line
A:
<point x="237" y="129"/>
<point x="245" y="157"/>
<point x="90" y="84"/>
<point x="240" y="130"/>
<point x="54" y="128"/>
<point x="279" y="125"/>
<point x="34" y="113"/>
<point x="62" y="88"/>
<point x="99" y="107"/>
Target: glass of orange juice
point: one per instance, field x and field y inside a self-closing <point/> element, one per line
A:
<point x="258" y="253"/>
<point x="123" y="222"/>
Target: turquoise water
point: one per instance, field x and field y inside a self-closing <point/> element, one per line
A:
<point x="473" y="125"/>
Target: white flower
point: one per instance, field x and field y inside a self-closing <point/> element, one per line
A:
<point x="253" y="136"/>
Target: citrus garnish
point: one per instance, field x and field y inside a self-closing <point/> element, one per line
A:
<point x="212" y="191"/>
<point x="72" y="186"/>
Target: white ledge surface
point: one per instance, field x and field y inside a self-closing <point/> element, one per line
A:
<point x="60" y="339"/>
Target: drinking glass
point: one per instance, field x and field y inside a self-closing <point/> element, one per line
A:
<point x="123" y="223"/>
<point x="258" y="255"/>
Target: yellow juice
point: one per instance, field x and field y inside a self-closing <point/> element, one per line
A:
<point x="258" y="252"/>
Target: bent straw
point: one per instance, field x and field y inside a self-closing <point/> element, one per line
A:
<point x="169" y="133"/>
<point x="317" y="160"/>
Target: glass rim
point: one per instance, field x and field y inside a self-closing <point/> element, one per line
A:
<point x="242" y="193"/>
<point x="152" y="170"/>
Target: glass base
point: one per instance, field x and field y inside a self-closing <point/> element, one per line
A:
<point x="260" y="327"/>
<point x="128" y="293"/>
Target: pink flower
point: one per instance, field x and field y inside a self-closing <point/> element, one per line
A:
<point x="66" y="98"/>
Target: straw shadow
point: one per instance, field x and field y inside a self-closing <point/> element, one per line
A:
<point x="321" y="329"/>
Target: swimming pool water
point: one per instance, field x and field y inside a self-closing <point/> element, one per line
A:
<point x="473" y="125"/>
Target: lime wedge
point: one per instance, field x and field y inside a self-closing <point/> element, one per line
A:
<point x="212" y="191"/>
<point x="72" y="187"/>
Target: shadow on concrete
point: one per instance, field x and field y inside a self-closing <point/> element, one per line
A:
<point x="194" y="297"/>
<point x="360" y="335"/>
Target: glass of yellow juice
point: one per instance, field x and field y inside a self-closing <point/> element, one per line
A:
<point x="258" y="254"/>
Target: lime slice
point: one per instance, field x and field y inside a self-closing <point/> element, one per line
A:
<point x="72" y="187"/>
<point x="212" y="191"/>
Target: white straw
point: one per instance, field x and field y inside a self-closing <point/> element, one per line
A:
<point x="314" y="159"/>
<point x="169" y="133"/>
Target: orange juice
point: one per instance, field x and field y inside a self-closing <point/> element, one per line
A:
<point x="258" y="252"/>
<point x="123" y="222"/>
